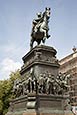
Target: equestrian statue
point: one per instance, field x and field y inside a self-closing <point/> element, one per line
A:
<point x="40" y="27"/>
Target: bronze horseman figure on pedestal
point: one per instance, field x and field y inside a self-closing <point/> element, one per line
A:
<point x="40" y="28"/>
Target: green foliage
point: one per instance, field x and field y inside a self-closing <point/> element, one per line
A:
<point x="6" y="92"/>
<point x="1" y="107"/>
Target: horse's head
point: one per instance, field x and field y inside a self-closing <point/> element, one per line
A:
<point x="47" y="12"/>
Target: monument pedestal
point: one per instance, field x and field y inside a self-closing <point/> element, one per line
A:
<point x="43" y="61"/>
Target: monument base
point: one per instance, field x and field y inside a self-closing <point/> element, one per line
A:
<point x="36" y="104"/>
<point x="47" y="112"/>
<point x="31" y="112"/>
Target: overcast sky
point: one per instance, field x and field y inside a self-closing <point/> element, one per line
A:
<point x="15" y="28"/>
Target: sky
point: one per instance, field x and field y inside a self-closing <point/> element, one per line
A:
<point x="16" y="18"/>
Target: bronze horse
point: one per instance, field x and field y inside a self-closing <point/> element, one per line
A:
<point x="40" y="30"/>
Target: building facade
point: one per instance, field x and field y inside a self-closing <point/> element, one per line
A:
<point x="68" y="65"/>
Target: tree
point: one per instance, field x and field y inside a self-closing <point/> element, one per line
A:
<point x="6" y="91"/>
<point x="1" y="107"/>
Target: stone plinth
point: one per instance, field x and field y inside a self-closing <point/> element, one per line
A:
<point x="42" y="59"/>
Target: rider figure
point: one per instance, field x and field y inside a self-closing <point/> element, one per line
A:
<point x="37" y="21"/>
<point x="39" y="18"/>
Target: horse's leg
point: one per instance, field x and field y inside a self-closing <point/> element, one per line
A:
<point x="45" y="34"/>
<point x="38" y="42"/>
<point x="31" y="43"/>
<point x="44" y="38"/>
